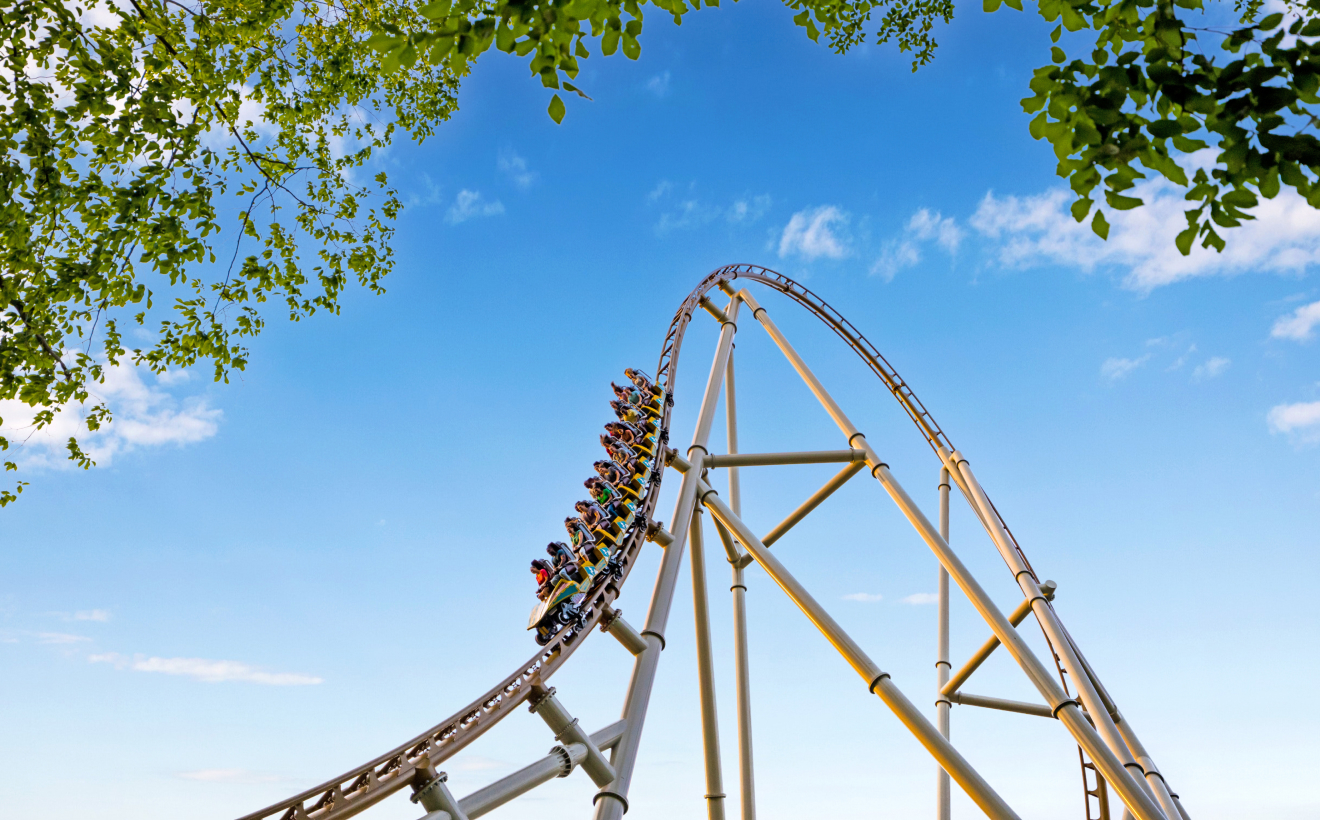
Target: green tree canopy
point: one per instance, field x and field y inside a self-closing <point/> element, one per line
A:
<point x="130" y="127"/>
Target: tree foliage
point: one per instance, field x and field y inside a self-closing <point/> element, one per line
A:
<point x="131" y="132"/>
<point x="127" y="128"/>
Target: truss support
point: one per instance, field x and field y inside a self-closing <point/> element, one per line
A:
<point x="1132" y="791"/>
<point x="979" y="657"/>
<point x="732" y="459"/>
<point x="612" y="801"/>
<point x="710" y="721"/>
<point x="741" y="670"/>
<point x="567" y="731"/>
<point x="943" y="797"/>
<point x="612" y="622"/>
<point x="1062" y="642"/>
<point x="436" y="799"/>
<point x="878" y="681"/>
<point x="1037" y="709"/>
<point x="840" y="478"/>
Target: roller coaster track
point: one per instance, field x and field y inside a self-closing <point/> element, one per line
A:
<point x="1118" y="756"/>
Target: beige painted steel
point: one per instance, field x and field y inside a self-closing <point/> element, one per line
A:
<point x="1003" y="705"/>
<point x="710" y="722"/>
<point x="878" y="681"/>
<point x="1133" y="773"/>
<point x="840" y="478"/>
<point x="1132" y="792"/>
<point x="568" y="731"/>
<point x="943" y="795"/>
<point x="614" y="624"/>
<point x="741" y="668"/>
<point x="612" y="801"/>
<point x="773" y="459"/>
<point x="980" y="656"/>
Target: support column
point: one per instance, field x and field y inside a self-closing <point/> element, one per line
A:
<point x="943" y="809"/>
<point x="710" y="722"/>
<point x="1132" y="791"/>
<point x="612" y="801"/>
<point x="741" y="671"/>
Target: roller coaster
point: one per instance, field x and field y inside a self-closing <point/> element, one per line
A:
<point x="1115" y="766"/>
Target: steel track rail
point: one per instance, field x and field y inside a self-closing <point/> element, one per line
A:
<point x="373" y="781"/>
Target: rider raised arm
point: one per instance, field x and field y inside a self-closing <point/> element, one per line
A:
<point x="644" y="384"/>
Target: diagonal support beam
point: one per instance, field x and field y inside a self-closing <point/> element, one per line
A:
<point x="840" y="478"/>
<point x="878" y="681"/>
<point x="979" y="657"/>
<point x="1132" y="791"/>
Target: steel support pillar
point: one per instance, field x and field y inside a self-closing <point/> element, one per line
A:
<point x="878" y="681"/>
<point x="943" y="808"/>
<point x="741" y="670"/>
<point x="710" y="721"/>
<point x="612" y="801"/>
<point x="1132" y="791"/>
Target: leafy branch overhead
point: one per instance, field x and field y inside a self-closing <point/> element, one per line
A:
<point x="133" y="131"/>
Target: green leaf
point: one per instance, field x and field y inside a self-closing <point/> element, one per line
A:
<point x="1120" y="202"/>
<point x="1054" y="35"/>
<point x="1014" y="4"/>
<point x="1100" y="226"/>
<point x="1271" y="22"/>
<point x="1163" y="129"/>
<point x="556" y="109"/>
<point x="990" y="5"/>
<point x="1185" y="239"/>
<point x="1057" y="55"/>
<point x="1081" y="208"/>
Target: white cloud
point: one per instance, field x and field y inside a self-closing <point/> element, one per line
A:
<point x="1213" y="367"/>
<point x="515" y="167"/>
<point x="100" y="615"/>
<point x="662" y="187"/>
<point x="470" y="204"/>
<point x="1181" y="360"/>
<point x="60" y="638"/>
<point x="228" y="776"/>
<point x="1301" y="420"/>
<point x="204" y="670"/>
<point x="144" y="416"/>
<point x="1298" y="324"/>
<point x="690" y="213"/>
<point x="1114" y="368"/>
<point x="920" y="598"/>
<point x="865" y="597"/>
<point x="1035" y="230"/>
<point x="746" y="211"/>
<point x="659" y="84"/>
<point x="811" y="234"/>
<point x="924" y="226"/>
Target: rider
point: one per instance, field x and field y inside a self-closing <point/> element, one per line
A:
<point x="646" y="403"/>
<point x="541" y="569"/>
<point x="632" y="415"/>
<point x="596" y="517"/>
<point x="632" y="436"/>
<point x="583" y="541"/>
<point x="625" y="456"/>
<point x="639" y="378"/>
<point x="609" y="498"/>
<point x="617" y="476"/>
<point x="564" y="561"/>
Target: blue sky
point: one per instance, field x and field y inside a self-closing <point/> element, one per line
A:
<point x="268" y="582"/>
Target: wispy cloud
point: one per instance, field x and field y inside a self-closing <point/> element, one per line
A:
<point x="659" y="84"/>
<point x="1213" y="367"/>
<point x="469" y="205"/>
<point x="1298" y="325"/>
<point x="694" y="212"/>
<point x="814" y="233"/>
<point x="865" y="597"/>
<point x="921" y="598"/>
<point x="205" y="670"/>
<point x="144" y="416"/>
<point x="515" y="168"/>
<point x="924" y="227"/>
<point x="60" y="638"/>
<point x="1300" y="421"/>
<point x="1115" y="369"/>
<point x="229" y="776"/>
<point x="748" y="210"/>
<point x="99" y="615"/>
<point x="1035" y="230"/>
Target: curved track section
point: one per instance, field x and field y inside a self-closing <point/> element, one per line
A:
<point x="373" y="781"/>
